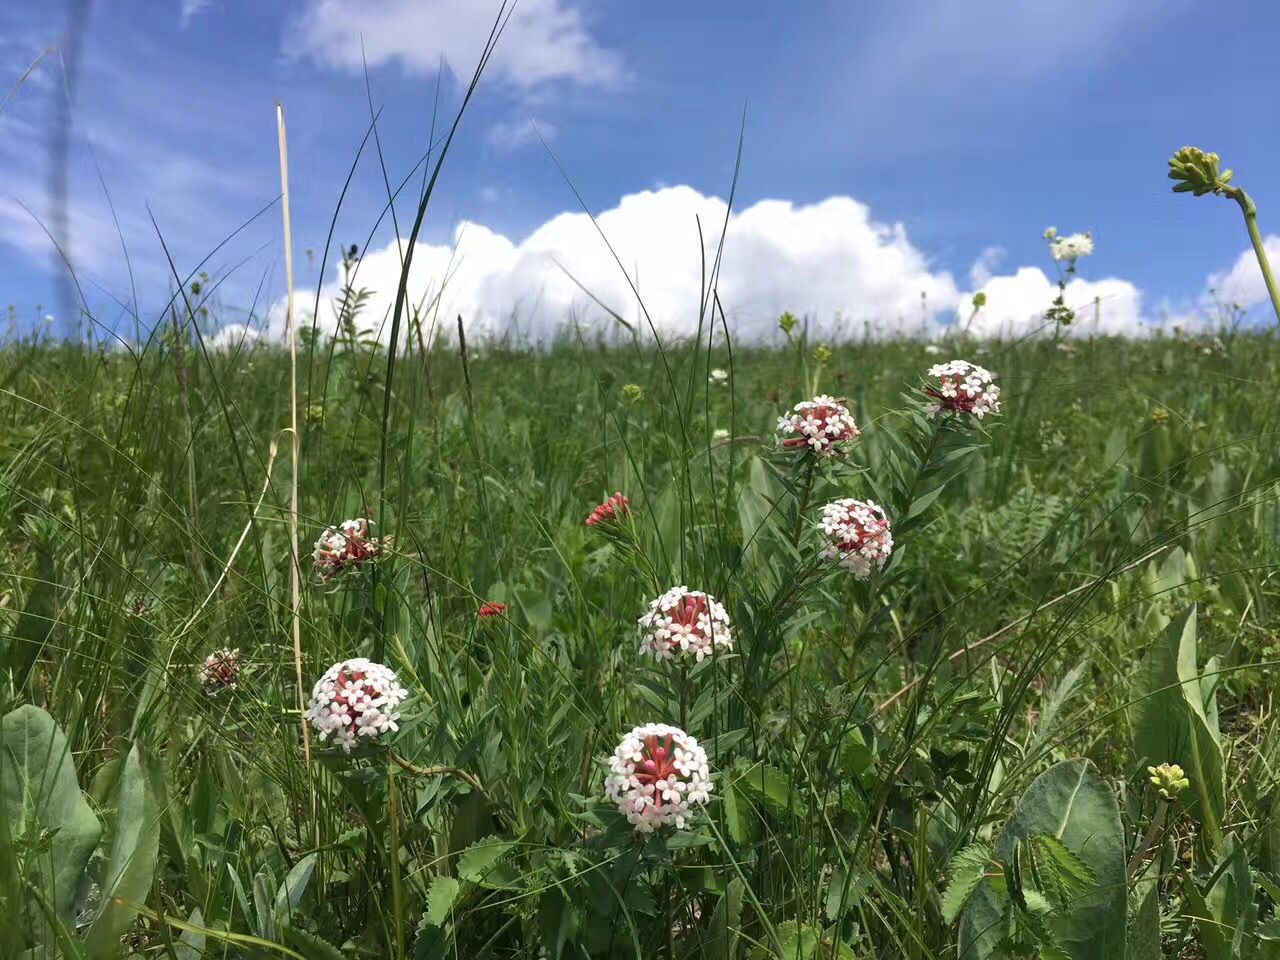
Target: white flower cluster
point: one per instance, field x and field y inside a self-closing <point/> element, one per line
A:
<point x="687" y="622"/>
<point x="818" y="424"/>
<point x="719" y="377"/>
<point x="355" y="698"/>
<point x="343" y="548"/>
<point x="1071" y="247"/>
<point x="657" y="774"/>
<point x="857" y="534"/>
<point x="962" y="387"/>
<point x="220" y="671"/>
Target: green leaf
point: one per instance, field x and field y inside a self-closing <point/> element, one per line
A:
<point x="771" y="784"/>
<point x="1059" y="874"/>
<point x="967" y="868"/>
<point x="190" y="945"/>
<point x="295" y="885"/>
<point x="39" y="795"/>
<point x="440" y="899"/>
<point x="1069" y="802"/>
<point x="311" y="946"/>
<point x="1170" y="719"/>
<point x="481" y="857"/>
<point x="131" y="865"/>
<point x="1144" y="940"/>
<point x="797" y="941"/>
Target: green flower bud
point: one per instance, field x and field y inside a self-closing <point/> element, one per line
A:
<point x="632" y="392"/>
<point x="787" y="322"/>
<point x="979" y="300"/>
<point x="1050" y="233"/>
<point x="1159" y="417"/>
<point x="1169" y="779"/>
<point x="821" y="353"/>
<point x="1197" y="172"/>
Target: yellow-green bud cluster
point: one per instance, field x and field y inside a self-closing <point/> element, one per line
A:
<point x="787" y="322"/>
<point x="1197" y="172"/>
<point x="632" y="393"/>
<point x="1169" y="779"/>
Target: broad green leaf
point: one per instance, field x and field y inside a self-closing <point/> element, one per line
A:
<point x="1171" y="721"/>
<point x="39" y="794"/>
<point x="1071" y="803"/>
<point x="190" y="945"/>
<point x="295" y="885"/>
<point x="131" y="864"/>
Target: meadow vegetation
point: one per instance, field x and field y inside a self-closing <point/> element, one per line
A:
<point x="938" y="749"/>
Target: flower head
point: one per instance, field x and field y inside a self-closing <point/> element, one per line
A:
<point x="1195" y="171"/>
<point x="613" y="508"/>
<point x="356" y="698"/>
<point x="345" y="548"/>
<point x="632" y="392"/>
<point x="857" y="534"/>
<point x="719" y="435"/>
<point x="822" y="425"/>
<point x="657" y="776"/>
<point x="1071" y="247"/>
<point x="685" y="622"/>
<point x="1169" y="779"/>
<point x="719" y="377"/>
<point x="787" y="322"/>
<point x="962" y="387"/>
<point x="490" y="609"/>
<point x="220" y="671"/>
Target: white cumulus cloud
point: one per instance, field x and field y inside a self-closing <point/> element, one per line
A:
<point x="1016" y="305"/>
<point x="1243" y="283"/>
<point x="829" y="260"/>
<point x="544" y="40"/>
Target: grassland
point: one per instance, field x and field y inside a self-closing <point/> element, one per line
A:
<point x="946" y="759"/>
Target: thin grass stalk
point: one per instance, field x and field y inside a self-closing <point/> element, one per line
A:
<point x="295" y="571"/>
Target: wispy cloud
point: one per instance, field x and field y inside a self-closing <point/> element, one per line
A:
<point x="544" y="40"/>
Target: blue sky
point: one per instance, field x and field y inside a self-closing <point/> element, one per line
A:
<point x="959" y="131"/>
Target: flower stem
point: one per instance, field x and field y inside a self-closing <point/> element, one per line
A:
<point x="1250" y="211"/>
<point x="803" y="504"/>
<point x="418" y="771"/>
<point x="1149" y="838"/>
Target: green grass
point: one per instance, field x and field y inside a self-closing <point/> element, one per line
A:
<point x="863" y="736"/>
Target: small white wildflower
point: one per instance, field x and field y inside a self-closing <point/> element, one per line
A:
<point x="821" y="425"/>
<point x="857" y="534"/>
<point x="657" y="775"/>
<point x="962" y="387"/>
<point x="356" y="698"/>
<point x="719" y="377"/>
<point x="684" y="622"/>
<point x="1071" y="247"/>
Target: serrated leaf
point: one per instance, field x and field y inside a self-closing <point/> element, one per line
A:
<point x="440" y="899"/>
<point x="967" y="868"/>
<point x="311" y="946"/>
<point x="481" y="857"/>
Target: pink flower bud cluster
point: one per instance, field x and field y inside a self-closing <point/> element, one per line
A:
<point x="345" y="548"/>
<point x="822" y="425"/>
<point x="962" y="387"/>
<point x="657" y="775"/>
<point x="857" y="534"/>
<point x="356" y="699"/>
